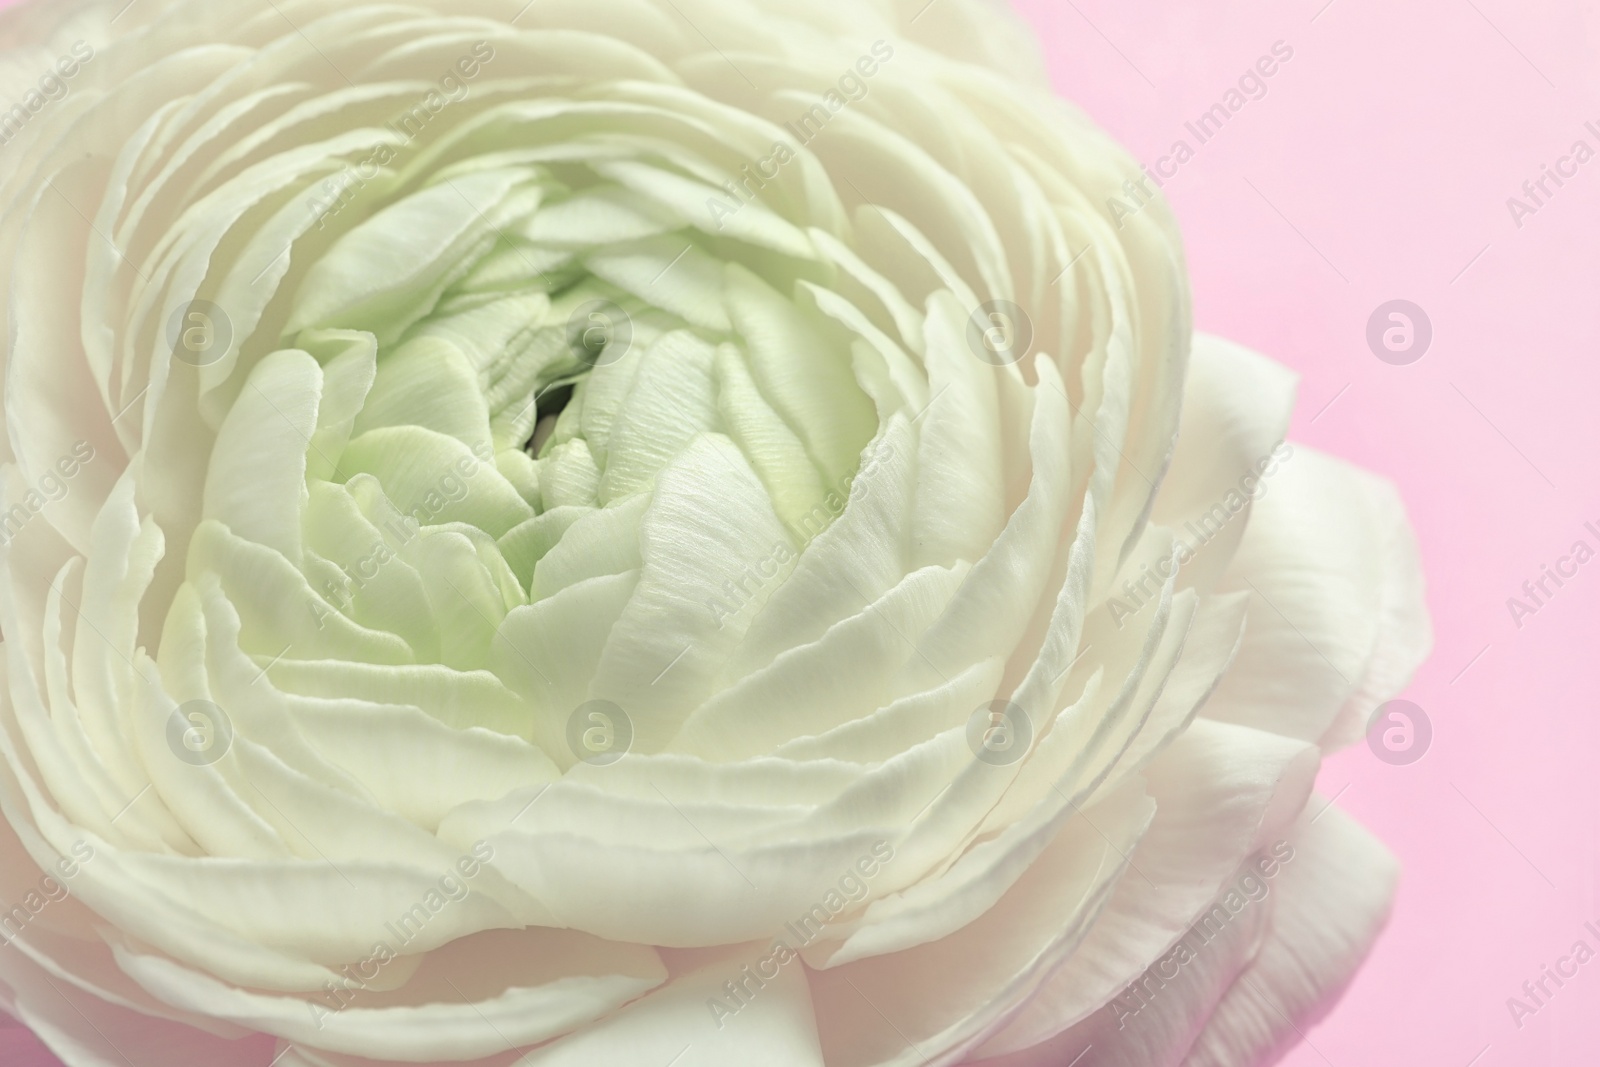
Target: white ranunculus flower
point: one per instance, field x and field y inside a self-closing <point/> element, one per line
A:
<point x="644" y="532"/>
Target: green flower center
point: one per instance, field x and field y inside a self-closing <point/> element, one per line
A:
<point x="553" y="340"/>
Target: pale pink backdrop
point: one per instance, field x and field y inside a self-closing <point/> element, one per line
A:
<point x="1377" y="167"/>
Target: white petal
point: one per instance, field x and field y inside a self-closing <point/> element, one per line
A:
<point x="386" y="273"/>
<point x="1221" y="793"/>
<point x="710" y="521"/>
<point x="933" y="1003"/>
<point x="1335" y="898"/>
<point x="775" y="1026"/>
<point x="467" y="1000"/>
<point x="1337" y="622"/>
<point x="255" y="484"/>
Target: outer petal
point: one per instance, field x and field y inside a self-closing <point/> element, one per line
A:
<point x="1221" y="793"/>
<point x="1332" y="908"/>
<point x="86" y="1031"/>
<point x="776" y="1027"/>
<point x="1250" y="991"/>
<point x="1337" y="622"/>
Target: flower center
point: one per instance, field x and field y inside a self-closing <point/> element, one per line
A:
<point x="578" y="384"/>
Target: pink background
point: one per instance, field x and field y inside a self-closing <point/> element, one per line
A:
<point x="1390" y="142"/>
<point x="1377" y="167"/>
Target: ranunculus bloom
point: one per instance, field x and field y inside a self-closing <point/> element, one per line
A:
<point x="644" y="532"/>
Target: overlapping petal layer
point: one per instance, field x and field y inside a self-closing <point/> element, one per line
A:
<point x="639" y="532"/>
